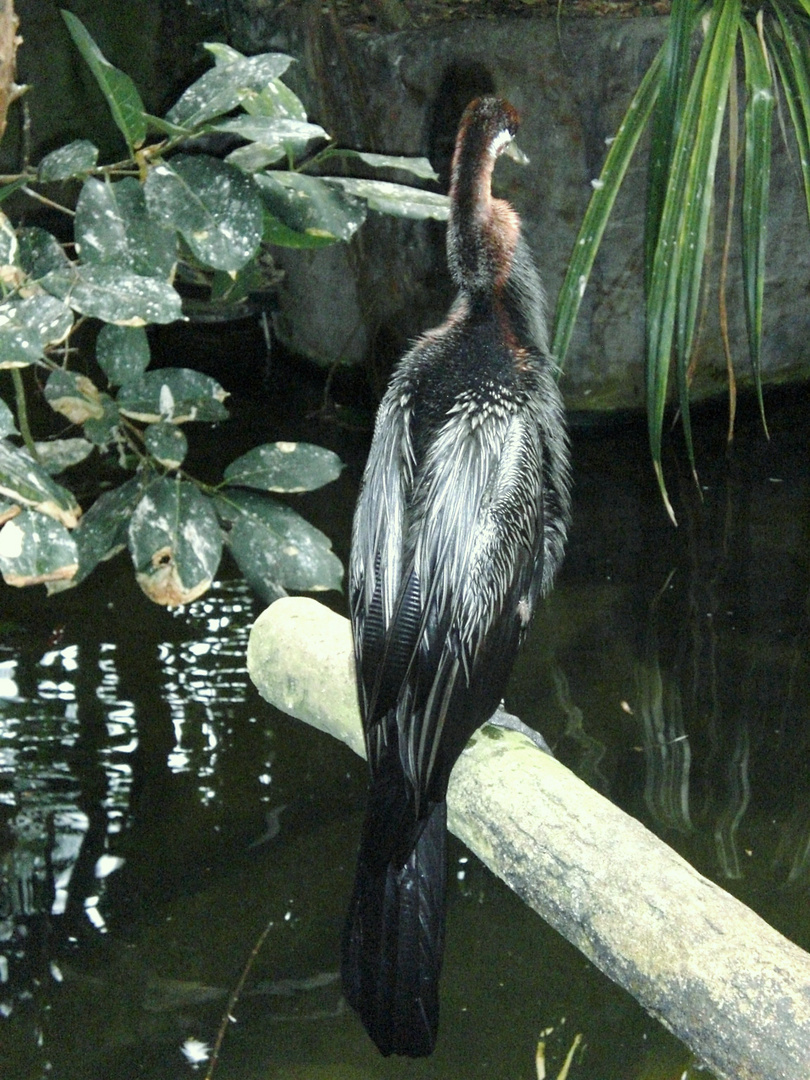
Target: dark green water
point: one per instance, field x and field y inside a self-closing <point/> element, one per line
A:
<point x="141" y="780"/>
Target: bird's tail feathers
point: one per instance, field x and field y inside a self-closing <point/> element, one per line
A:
<point x="394" y="936"/>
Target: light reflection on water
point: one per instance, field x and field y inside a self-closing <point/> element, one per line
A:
<point x="69" y="737"/>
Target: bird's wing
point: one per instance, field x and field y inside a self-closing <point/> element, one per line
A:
<point x="442" y="573"/>
<point x="476" y="559"/>
<point x="384" y="613"/>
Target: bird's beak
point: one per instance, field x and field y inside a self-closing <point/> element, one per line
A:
<point x="516" y="154"/>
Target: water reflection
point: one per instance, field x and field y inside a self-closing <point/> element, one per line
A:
<point x="156" y="818"/>
<point x="77" y="727"/>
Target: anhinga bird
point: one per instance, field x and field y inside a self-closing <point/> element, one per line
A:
<point x="459" y="530"/>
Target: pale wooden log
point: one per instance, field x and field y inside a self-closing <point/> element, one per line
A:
<point x="735" y="991"/>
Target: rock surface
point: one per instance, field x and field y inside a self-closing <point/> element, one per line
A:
<point x="571" y="79"/>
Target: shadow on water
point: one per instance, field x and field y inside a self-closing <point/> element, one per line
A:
<point x="155" y="815"/>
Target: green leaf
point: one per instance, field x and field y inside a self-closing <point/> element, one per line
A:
<point x="307" y="206"/>
<point x="281" y="235"/>
<point x="74" y="396"/>
<point x="26" y="482"/>
<point x="35" y="549"/>
<point x="599" y="209"/>
<point x="76" y="159"/>
<point x="223" y="54"/>
<point x="274" y="547"/>
<point x="102" y="531"/>
<point x="122" y="353"/>
<point x="173" y="395"/>
<point x="113" y="225"/>
<point x="213" y="205"/>
<point x="56" y="455"/>
<point x="679" y="255"/>
<point x="9" y="187"/>
<point x="674" y="58"/>
<point x="27" y="327"/>
<point x="103" y="429"/>
<point x="166" y="443"/>
<point x="399" y="200"/>
<point x="114" y="295"/>
<point x="254" y="157"/>
<point x="419" y="166"/>
<point x="175" y="541"/>
<point x="122" y="96"/>
<point x="285" y="466"/>
<point x="274" y="99"/>
<point x="158" y="126"/>
<point x="7" y="422"/>
<point x="789" y="50"/>
<point x="224" y="86"/>
<point x="759" y="107"/>
<point x="41" y="252"/>
<point x="289" y="136"/>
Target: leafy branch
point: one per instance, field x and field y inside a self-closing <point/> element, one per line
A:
<point x="167" y="214"/>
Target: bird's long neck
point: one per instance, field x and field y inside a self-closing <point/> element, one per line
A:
<point x="482" y="232"/>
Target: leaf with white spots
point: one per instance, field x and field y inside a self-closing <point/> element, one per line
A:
<point x="222" y="88"/>
<point x="102" y="531"/>
<point x="253" y="157"/>
<point x="419" y="166"/>
<point x="41" y="252"/>
<point x="28" y="326"/>
<point x="79" y="399"/>
<point x="102" y="430"/>
<point x="309" y="208"/>
<point x="114" y="295"/>
<point x="167" y="444"/>
<point x="74" y="396"/>
<point x="26" y="482"/>
<point x="274" y="547"/>
<point x="214" y="206"/>
<point x="113" y="225"/>
<point x="123" y="353"/>
<point x="285" y="466"/>
<point x="274" y="99"/>
<point x="56" y="455"/>
<point x="35" y="549"/>
<point x="75" y="159"/>
<point x="399" y="200"/>
<point x="273" y="133"/>
<point x="173" y="394"/>
<point x="175" y="542"/>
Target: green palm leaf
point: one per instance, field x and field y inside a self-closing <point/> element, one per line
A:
<point x="675" y="60"/>
<point x="790" y="50"/>
<point x="600" y="207"/>
<point x="677" y="268"/>
<point x="756" y="182"/>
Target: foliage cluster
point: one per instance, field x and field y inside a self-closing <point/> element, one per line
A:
<point x="685" y="98"/>
<point x="169" y="213"/>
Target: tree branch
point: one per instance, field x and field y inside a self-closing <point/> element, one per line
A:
<point x="727" y="984"/>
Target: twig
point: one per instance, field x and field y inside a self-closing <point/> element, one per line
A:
<point x="227" y="1017"/>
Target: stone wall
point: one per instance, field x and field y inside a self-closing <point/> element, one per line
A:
<point x="571" y="80"/>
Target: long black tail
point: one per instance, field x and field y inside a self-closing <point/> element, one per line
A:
<point x="394" y="937"/>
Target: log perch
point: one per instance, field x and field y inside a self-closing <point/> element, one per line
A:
<point x="730" y="987"/>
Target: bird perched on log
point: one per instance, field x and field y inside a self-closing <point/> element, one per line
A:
<point x="459" y="530"/>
